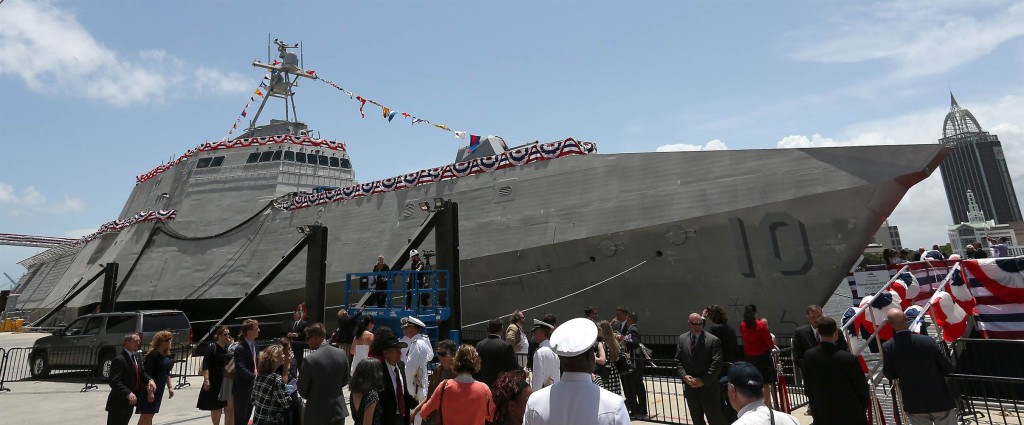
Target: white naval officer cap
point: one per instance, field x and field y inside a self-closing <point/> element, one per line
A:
<point x="542" y="324"/>
<point x="574" y="337"/>
<point x="412" y="321"/>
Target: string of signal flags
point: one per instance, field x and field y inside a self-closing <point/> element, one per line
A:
<point x="388" y="113"/>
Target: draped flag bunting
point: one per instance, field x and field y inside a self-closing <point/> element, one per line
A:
<point x="391" y="113"/>
<point x="244" y="143"/>
<point x="513" y="158"/>
<point x="949" y="316"/>
<point x="244" y="113"/>
<point x="961" y="292"/>
<point x="995" y="292"/>
<point x="1004" y="277"/>
<point x="907" y="288"/>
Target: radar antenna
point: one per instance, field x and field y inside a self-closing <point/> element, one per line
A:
<point x="284" y="76"/>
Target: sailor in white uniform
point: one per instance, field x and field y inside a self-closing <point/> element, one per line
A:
<point x="545" y="362"/>
<point x="575" y="400"/>
<point x="747" y="397"/>
<point x="416" y="356"/>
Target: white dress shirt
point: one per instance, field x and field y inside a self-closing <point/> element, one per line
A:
<point x="396" y="380"/>
<point x="576" y="400"/>
<point x="545" y="366"/>
<point x="756" y="413"/>
<point x="416" y="356"/>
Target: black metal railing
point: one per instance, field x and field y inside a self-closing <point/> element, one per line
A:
<point x="988" y="399"/>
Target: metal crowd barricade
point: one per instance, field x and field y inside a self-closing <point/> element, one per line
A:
<point x="186" y="363"/>
<point x="664" y="387"/>
<point x="788" y="393"/>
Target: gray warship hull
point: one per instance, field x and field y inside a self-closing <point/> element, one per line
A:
<point x="663" y="234"/>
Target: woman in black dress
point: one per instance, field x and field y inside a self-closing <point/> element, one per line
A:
<point x="365" y="387"/>
<point x="214" y="360"/>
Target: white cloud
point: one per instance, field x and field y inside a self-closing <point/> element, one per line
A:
<point x="923" y="213"/>
<point x="919" y="37"/>
<point x="713" y="145"/>
<point x="215" y="82"/>
<point x="54" y="54"/>
<point x="31" y="201"/>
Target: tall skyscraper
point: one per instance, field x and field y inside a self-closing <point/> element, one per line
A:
<point x="976" y="165"/>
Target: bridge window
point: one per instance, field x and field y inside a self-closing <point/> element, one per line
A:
<point x="334" y="162"/>
<point x="277" y="155"/>
<point x="253" y="158"/>
<point x="323" y="160"/>
<point x="345" y="163"/>
<point x="289" y="156"/>
<point x="300" y="157"/>
<point x="203" y="162"/>
<point x="265" y="156"/>
<point x="311" y="159"/>
<point x="217" y="161"/>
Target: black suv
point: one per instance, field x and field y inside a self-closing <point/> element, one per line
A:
<point x="91" y="341"/>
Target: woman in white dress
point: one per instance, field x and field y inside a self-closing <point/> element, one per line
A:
<point x="361" y="343"/>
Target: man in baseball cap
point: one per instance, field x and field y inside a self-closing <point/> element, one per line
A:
<point x="575" y="399"/>
<point x="746" y="395"/>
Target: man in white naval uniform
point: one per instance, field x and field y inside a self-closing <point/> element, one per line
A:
<point x="416" y="356"/>
<point x="575" y="400"/>
<point x="747" y="397"/>
<point x="545" y="362"/>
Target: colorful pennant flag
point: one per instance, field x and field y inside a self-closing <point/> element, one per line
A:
<point x="474" y="142"/>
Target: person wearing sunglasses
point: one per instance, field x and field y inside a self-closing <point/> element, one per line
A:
<point x="446" y="365"/>
<point x="700" y="361"/>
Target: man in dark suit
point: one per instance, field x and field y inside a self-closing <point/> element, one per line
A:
<point x="920" y="366"/>
<point x="806" y="336"/>
<point x="717" y="323"/>
<point x="836" y="386"/>
<point x="128" y="380"/>
<point x="245" y="370"/>
<point x="700" y="360"/>
<point x="297" y="335"/>
<point x="633" y="382"/>
<point x="496" y="355"/>
<point x="322" y="378"/>
<point x="395" y="402"/>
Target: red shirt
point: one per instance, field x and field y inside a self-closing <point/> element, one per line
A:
<point x="756" y="341"/>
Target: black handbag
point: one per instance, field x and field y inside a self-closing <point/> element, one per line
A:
<point x="436" y="417"/>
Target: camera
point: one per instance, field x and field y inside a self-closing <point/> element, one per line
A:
<point x="428" y="253"/>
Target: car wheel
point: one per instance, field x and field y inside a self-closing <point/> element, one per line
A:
<point x="106" y="361"/>
<point x="40" y="365"/>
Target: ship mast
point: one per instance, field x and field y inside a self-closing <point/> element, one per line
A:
<point x="284" y="75"/>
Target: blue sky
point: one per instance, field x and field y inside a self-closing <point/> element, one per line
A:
<point x="96" y="93"/>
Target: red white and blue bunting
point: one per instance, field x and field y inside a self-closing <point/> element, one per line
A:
<point x="514" y="158"/>
<point x="1004" y="277"/>
<point x="245" y="143"/>
<point x="119" y="225"/>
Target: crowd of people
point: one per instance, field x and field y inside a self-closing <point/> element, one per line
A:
<point x="583" y="371"/>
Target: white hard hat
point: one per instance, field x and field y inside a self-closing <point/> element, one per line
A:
<point x="413" y="253"/>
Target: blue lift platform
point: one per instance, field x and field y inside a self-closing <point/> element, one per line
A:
<point x="391" y="296"/>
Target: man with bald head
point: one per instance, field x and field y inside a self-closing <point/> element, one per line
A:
<point x="700" y="361"/>
<point x="920" y="365"/>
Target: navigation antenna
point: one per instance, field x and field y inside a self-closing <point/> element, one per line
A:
<point x="284" y="75"/>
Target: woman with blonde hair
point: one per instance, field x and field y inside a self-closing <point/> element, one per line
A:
<point x="158" y="365"/>
<point x="270" y="398"/>
<point x="608" y="352"/>
<point x="462" y="400"/>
